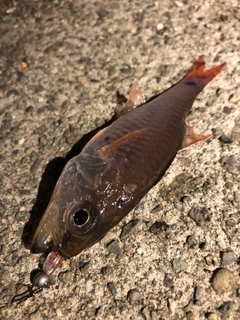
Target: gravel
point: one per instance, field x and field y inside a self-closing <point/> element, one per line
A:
<point x="224" y="281"/>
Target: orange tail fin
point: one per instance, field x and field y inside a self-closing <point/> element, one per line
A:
<point x="197" y="72"/>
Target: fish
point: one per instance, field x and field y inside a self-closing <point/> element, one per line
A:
<point x="120" y="164"/>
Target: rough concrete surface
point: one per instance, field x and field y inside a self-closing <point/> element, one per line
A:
<point x="61" y="65"/>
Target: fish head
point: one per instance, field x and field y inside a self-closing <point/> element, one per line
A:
<point x="81" y="211"/>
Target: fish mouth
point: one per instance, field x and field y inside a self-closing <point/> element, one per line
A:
<point x="43" y="238"/>
<point x="41" y="243"/>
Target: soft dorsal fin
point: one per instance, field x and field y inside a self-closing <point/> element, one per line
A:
<point x="135" y="99"/>
<point x="124" y="140"/>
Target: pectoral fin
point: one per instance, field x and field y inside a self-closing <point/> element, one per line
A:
<point x="123" y="141"/>
<point x="192" y="137"/>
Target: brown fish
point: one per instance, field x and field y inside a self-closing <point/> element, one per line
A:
<point x="119" y="165"/>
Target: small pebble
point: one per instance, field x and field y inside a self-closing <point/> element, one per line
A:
<point x="66" y="277"/>
<point x="192" y="241"/>
<point x="159" y="227"/>
<point x="200" y="215"/>
<point x="36" y="315"/>
<point x="227" y="110"/>
<point x="43" y="141"/>
<point x="237" y="196"/>
<point x="209" y="260"/>
<point x="212" y="316"/>
<point x="227" y="258"/>
<point x="29" y="150"/>
<point x="12" y="93"/>
<point x="146" y="313"/>
<point x="160" y="26"/>
<point x="84" y="80"/>
<point x="179" y="206"/>
<point x="224" y="280"/>
<point x="113" y="247"/>
<point x="238" y="292"/>
<point x="157" y="208"/>
<point x="230" y="164"/>
<point x="236" y="129"/>
<point x="178" y="4"/>
<point x="172" y="305"/>
<point x="178" y="265"/>
<point x="168" y="280"/>
<point x="24" y="160"/>
<point x="226" y="307"/>
<point x="35" y="165"/>
<point x="134" y="296"/>
<point x="198" y="293"/>
<point x="127" y="229"/>
<point x="235" y="97"/>
<point x="190" y="315"/>
<point x="121" y="305"/>
<point x="111" y="71"/>
<point x="21" y="141"/>
<point x="126" y="70"/>
<point x="84" y="266"/>
<point x="105" y="270"/>
<point x="226" y="139"/>
<point x="112" y="288"/>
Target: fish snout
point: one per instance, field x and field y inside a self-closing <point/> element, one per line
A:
<point x="41" y="242"/>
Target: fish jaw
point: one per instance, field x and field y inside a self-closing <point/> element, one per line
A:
<point x="43" y="238"/>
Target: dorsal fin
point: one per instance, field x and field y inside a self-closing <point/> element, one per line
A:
<point x="135" y="99"/>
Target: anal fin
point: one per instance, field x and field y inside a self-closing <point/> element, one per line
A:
<point x="192" y="137"/>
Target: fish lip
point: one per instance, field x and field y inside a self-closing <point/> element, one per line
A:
<point x="35" y="248"/>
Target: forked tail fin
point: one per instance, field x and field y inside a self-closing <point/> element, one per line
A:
<point x="198" y="75"/>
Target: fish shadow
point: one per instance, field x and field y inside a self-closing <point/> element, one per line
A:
<point x="48" y="181"/>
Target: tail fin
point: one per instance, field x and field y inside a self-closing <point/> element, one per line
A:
<point x="198" y="75"/>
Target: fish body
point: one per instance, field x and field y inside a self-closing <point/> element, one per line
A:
<point x="119" y="165"/>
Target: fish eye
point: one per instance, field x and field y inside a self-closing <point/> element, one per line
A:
<point x="83" y="218"/>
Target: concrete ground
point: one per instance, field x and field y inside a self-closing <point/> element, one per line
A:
<point x="61" y="65"/>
